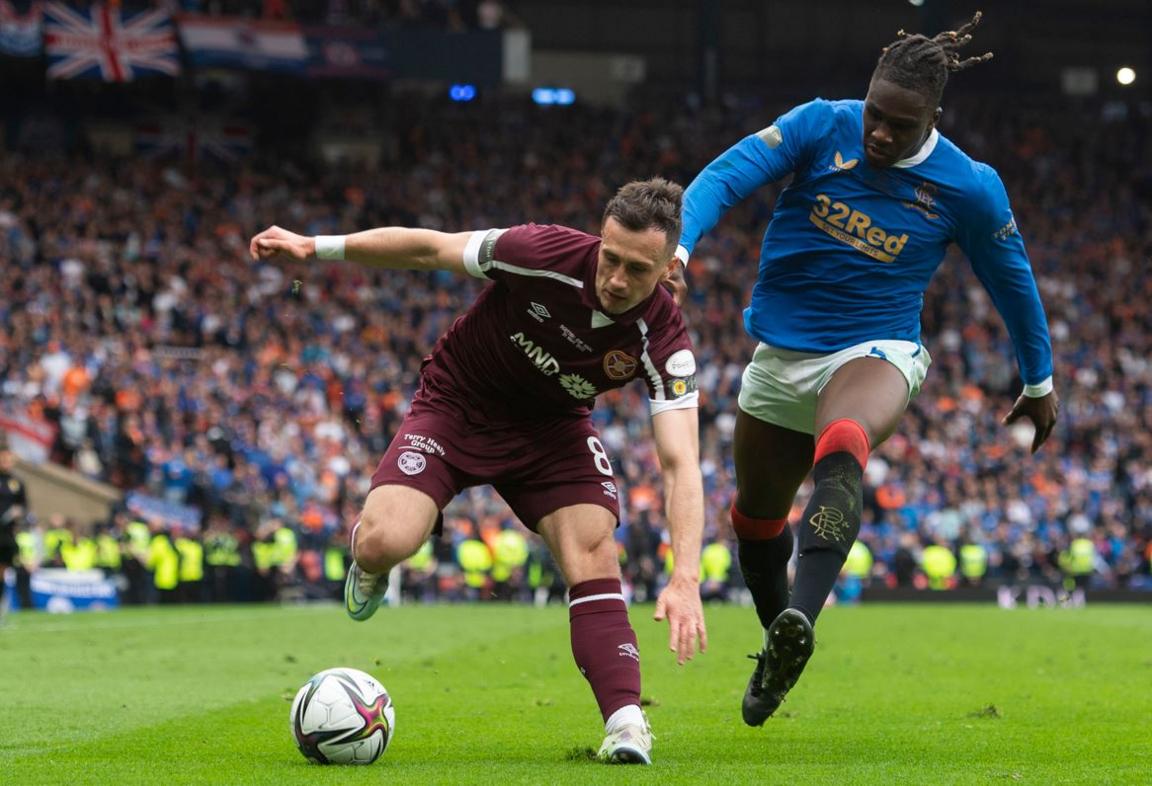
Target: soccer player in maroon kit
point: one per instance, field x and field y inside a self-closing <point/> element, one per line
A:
<point x="505" y="397"/>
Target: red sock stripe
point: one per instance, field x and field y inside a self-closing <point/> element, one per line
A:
<point x="844" y="435"/>
<point x="748" y="528"/>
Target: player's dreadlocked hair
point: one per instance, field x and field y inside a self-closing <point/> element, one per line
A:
<point x="922" y="64"/>
<point x="648" y="204"/>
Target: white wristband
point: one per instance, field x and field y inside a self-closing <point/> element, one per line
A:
<point x="330" y="246"/>
<point x="1039" y="390"/>
<point x="682" y="255"/>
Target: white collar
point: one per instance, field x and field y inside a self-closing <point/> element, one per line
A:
<point x="600" y="319"/>
<point x="922" y="154"/>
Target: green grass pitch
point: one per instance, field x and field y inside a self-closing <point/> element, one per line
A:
<point x="488" y="694"/>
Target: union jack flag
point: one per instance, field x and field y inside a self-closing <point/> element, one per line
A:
<point x="108" y="44"/>
<point x="224" y="141"/>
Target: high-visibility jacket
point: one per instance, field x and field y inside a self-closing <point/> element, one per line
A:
<point x="511" y="552"/>
<point x="715" y="562"/>
<point x="164" y="562"/>
<point x="54" y="540"/>
<point x="859" y="561"/>
<point x="107" y="552"/>
<point x="476" y="560"/>
<point x="939" y="566"/>
<point x="264" y="554"/>
<point x="79" y="554"/>
<point x="422" y="559"/>
<point x="222" y="550"/>
<point x="284" y="541"/>
<point x="191" y="559"/>
<point x="139" y="539"/>
<point x="973" y="561"/>
<point x="29" y="549"/>
<point x="334" y="569"/>
<point x="1080" y="558"/>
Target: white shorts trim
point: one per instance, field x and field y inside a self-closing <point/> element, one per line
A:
<point x="781" y="386"/>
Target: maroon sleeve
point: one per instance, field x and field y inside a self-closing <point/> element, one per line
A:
<point x="669" y="360"/>
<point x="534" y="250"/>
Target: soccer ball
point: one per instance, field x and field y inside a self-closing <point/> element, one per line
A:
<point x="342" y="716"/>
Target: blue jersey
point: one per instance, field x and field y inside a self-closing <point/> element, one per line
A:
<point x="850" y="248"/>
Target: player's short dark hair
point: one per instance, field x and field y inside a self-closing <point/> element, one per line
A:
<point x="922" y="64"/>
<point x="648" y="204"/>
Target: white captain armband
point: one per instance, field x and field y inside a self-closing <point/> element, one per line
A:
<point x="330" y="246"/>
<point x="1040" y="389"/>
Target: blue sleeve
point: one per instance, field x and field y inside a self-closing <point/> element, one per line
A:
<point x="990" y="238"/>
<point x="754" y="161"/>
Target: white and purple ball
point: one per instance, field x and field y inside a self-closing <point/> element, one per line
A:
<point x="342" y="716"/>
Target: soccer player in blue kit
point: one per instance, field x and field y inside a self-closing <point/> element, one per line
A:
<point x="877" y="196"/>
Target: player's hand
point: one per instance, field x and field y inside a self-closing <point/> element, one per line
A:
<point x="275" y="242"/>
<point x="1041" y="410"/>
<point x="679" y="603"/>
<point x="674" y="282"/>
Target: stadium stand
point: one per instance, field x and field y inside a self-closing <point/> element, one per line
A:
<point x="173" y="368"/>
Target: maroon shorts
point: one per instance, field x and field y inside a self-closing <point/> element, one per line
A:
<point x="537" y="467"/>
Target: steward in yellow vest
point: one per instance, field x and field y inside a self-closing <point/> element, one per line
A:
<point x="508" y="560"/>
<point x="939" y="565"/>
<point x="164" y="562"/>
<point x="973" y="563"/>
<point x="1078" y="563"/>
<point x="191" y="552"/>
<point x="221" y="560"/>
<point x="715" y="569"/>
<point x="476" y="561"/>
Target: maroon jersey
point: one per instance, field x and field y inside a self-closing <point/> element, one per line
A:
<point x="535" y="344"/>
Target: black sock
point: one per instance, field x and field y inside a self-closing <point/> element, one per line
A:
<point x="764" y="565"/>
<point x="827" y="530"/>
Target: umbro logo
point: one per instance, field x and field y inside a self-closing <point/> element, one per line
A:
<point x="629" y="650"/>
<point x="840" y="165"/>
<point x="539" y="312"/>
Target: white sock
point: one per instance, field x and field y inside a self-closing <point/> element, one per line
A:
<point x="631" y="715"/>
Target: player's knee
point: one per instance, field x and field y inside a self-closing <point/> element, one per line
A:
<point x="760" y="505"/>
<point x="383" y="539"/>
<point x="592" y="557"/>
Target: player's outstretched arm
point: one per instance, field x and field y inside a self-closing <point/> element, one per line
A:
<point x="995" y="248"/>
<point x="388" y="247"/>
<point x="677" y="444"/>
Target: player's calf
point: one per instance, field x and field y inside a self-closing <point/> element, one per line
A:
<point x="363" y="590"/>
<point x="831" y="521"/>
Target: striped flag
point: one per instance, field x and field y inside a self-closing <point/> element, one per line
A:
<point x="20" y="33"/>
<point x="107" y="43"/>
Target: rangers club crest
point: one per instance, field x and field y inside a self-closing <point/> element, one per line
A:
<point x="619" y="365"/>
<point x="926" y="194"/>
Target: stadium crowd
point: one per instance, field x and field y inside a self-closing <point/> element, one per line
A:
<point x="264" y="396"/>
